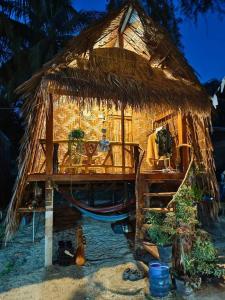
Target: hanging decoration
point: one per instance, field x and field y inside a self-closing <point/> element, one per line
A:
<point x="76" y="140"/>
<point x="104" y="143"/>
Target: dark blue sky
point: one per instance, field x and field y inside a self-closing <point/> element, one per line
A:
<point x="204" y="42"/>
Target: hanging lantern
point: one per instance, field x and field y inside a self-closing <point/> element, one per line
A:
<point x="101" y="116"/>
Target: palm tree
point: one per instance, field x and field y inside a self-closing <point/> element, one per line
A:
<point x="192" y="8"/>
<point x="31" y="33"/>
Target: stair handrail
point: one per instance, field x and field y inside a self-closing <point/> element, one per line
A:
<point x="138" y="172"/>
<point x="186" y="174"/>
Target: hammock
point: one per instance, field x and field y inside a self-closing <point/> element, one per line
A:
<point x="108" y="209"/>
<point x="99" y="217"/>
<point x="107" y="218"/>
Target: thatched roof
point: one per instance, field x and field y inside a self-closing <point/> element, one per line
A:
<point x="150" y="70"/>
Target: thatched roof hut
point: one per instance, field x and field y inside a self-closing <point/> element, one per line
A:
<point x="125" y="60"/>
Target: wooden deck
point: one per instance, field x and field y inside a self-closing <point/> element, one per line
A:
<point x="64" y="178"/>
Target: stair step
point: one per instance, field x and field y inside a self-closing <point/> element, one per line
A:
<point x="155" y="181"/>
<point x="162" y="180"/>
<point x="164" y="194"/>
<point x="158" y="209"/>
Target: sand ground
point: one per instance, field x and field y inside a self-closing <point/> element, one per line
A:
<point x="108" y="255"/>
<point x="23" y="276"/>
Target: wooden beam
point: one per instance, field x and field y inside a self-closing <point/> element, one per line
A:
<point x="65" y="178"/>
<point x="122" y="27"/>
<point x="180" y="128"/>
<point x="43" y="141"/>
<point x="49" y="138"/>
<point x="121" y="45"/>
<point x="123" y="139"/>
<point x="182" y="139"/>
<point x="49" y="192"/>
<point x="126" y="19"/>
<point x="185" y="152"/>
<point x="103" y="177"/>
<point x="30" y="210"/>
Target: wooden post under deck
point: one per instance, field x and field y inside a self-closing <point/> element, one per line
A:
<point x="49" y="192"/>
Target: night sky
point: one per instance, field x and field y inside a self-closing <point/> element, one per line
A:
<point x="204" y="42"/>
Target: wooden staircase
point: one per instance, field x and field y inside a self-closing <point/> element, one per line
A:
<point x="153" y="195"/>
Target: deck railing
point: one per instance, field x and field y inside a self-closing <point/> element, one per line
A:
<point x="87" y="157"/>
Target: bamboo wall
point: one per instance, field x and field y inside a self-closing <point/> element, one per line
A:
<point x="68" y="115"/>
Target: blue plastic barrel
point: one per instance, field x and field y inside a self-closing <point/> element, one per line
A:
<point x="159" y="279"/>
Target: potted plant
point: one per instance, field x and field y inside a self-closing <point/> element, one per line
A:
<point x="162" y="232"/>
<point x="75" y="138"/>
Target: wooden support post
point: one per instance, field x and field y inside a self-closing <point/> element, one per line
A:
<point x="125" y="191"/>
<point x="49" y="138"/>
<point x="126" y="19"/>
<point x="182" y="138"/>
<point x="140" y="188"/>
<point x="49" y="192"/>
<point x="121" y="45"/>
<point x="180" y="128"/>
<point x="48" y="186"/>
<point x="123" y="139"/>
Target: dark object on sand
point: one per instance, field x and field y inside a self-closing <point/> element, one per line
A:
<point x="64" y="259"/>
<point x="132" y="274"/>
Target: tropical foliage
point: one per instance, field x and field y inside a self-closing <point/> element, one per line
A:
<point x="203" y="259"/>
<point x="163" y="228"/>
<point x="32" y="32"/>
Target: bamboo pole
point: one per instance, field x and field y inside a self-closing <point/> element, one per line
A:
<point x="49" y="193"/>
<point x="121" y="45"/>
<point x="49" y="138"/>
<point x="123" y="139"/>
<point x="182" y="138"/>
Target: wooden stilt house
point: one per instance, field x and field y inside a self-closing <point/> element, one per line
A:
<point x="94" y="111"/>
